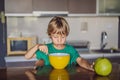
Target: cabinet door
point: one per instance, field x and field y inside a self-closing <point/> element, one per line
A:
<point x="111" y="7"/>
<point x="82" y="6"/>
<point x="49" y="5"/>
<point x="18" y="6"/>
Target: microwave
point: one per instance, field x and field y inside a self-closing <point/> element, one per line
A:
<point x="20" y="45"/>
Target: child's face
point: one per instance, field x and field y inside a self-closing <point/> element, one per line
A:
<point x="58" y="39"/>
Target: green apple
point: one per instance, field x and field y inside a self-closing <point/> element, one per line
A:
<point x="103" y="66"/>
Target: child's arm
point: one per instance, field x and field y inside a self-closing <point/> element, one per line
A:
<point x="84" y="63"/>
<point x="31" y="52"/>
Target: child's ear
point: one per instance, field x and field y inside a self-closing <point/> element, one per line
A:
<point x="50" y="36"/>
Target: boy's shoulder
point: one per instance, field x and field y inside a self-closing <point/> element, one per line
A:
<point x="49" y="44"/>
<point x="69" y="46"/>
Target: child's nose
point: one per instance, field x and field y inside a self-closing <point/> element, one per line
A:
<point x="59" y="39"/>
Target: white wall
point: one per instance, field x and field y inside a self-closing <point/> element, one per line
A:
<point x="33" y="26"/>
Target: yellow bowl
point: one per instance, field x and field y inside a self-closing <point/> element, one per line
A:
<point x="59" y="60"/>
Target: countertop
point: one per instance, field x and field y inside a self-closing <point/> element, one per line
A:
<point x="92" y="54"/>
<point x="87" y="55"/>
<point x="48" y="73"/>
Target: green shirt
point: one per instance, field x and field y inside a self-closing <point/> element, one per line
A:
<point x="68" y="49"/>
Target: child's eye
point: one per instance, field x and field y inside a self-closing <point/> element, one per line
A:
<point x="55" y="36"/>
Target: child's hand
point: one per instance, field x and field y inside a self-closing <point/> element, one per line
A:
<point x="85" y="64"/>
<point x="43" y="48"/>
<point x="91" y="67"/>
<point x="39" y="63"/>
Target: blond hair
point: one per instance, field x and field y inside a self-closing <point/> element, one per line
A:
<point x="58" y="25"/>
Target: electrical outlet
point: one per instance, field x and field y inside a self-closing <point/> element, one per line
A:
<point x="84" y="26"/>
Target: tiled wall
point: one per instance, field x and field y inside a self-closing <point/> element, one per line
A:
<point x="82" y="28"/>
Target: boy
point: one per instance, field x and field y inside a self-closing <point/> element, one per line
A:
<point x="58" y="30"/>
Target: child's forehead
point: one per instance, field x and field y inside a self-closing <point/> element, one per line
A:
<point x="55" y="34"/>
<point x="58" y="32"/>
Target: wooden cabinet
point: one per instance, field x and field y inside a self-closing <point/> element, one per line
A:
<point x="47" y="7"/>
<point x="82" y="6"/>
<point x="18" y="6"/>
<point x="28" y="7"/>
<point x="109" y="7"/>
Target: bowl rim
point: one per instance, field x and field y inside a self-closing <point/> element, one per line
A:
<point x="59" y="54"/>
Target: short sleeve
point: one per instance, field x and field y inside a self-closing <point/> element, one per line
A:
<point x="74" y="56"/>
<point x="41" y="55"/>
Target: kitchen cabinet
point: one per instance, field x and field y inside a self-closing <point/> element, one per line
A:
<point x="50" y="6"/>
<point x="82" y="7"/>
<point x="109" y="7"/>
<point x="33" y="7"/>
<point x="62" y="7"/>
<point x="18" y="7"/>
